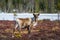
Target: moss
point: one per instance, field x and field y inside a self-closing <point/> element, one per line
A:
<point x="17" y="34"/>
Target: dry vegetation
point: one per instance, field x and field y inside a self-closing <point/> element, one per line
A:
<point x="48" y="30"/>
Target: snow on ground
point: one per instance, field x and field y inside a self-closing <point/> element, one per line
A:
<point x="10" y="16"/>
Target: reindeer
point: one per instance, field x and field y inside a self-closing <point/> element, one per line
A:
<point x="26" y="23"/>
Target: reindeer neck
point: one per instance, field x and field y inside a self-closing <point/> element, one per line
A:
<point x="35" y="19"/>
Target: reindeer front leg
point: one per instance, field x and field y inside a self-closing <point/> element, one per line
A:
<point x="28" y="28"/>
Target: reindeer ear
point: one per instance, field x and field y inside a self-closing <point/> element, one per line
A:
<point x="34" y="14"/>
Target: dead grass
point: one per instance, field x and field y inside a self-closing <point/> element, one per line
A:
<point x="45" y="30"/>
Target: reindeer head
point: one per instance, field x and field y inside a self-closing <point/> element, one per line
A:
<point x="35" y="19"/>
<point x="35" y="16"/>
